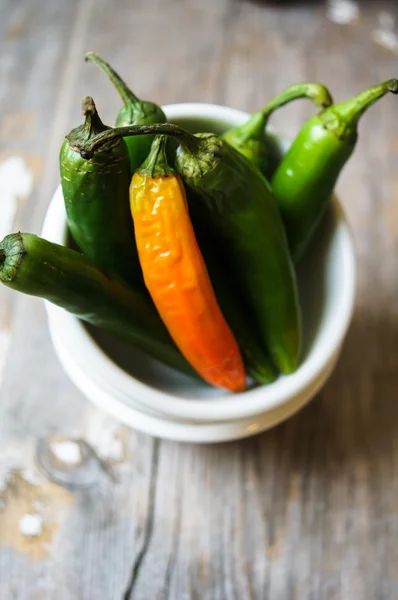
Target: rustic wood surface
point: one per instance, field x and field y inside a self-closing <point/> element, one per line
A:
<point x="307" y="511"/>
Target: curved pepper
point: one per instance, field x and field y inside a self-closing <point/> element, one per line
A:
<point x="237" y="204"/>
<point x="251" y="139"/>
<point x="176" y="275"/>
<point x="134" y="112"/>
<point x="233" y="306"/>
<point x="307" y="175"/>
<point x="96" y="199"/>
<point x="34" y="266"/>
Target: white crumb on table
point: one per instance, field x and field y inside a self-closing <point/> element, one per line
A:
<point x="103" y="435"/>
<point x="67" y="452"/>
<point x="385" y="35"/>
<point x="114" y="450"/>
<point x="342" y="12"/>
<point x="31" y="525"/>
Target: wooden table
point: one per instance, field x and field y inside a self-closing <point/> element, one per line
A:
<point x="307" y="511"/>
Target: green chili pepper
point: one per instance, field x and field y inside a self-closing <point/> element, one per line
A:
<point x="134" y="112"/>
<point x="237" y="205"/>
<point x="96" y="195"/>
<point x="34" y="266"/>
<point x="233" y="307"/>
<point x="261" y="148"/>
<point x="307" y="175"/>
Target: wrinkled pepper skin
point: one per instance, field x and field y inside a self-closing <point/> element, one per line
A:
<point x="233" y="306"/>
<point x="257" y="145"/>
<point x="34" y="266"/>
<point x="96" y="197"/>
<point x="306" y="177"/>
<point x="133" y="112"/>
<point x="237" y="205"/>
<point x="176" y="275"/>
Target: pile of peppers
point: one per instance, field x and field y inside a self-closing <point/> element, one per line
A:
<point x="188" y="250"/>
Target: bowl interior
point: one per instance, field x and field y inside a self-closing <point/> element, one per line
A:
<point x="320" y="279"/>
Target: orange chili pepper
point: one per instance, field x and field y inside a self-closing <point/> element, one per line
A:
<point x="176" y="275"/>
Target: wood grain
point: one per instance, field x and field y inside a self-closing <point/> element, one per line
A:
<point x="306" y="511"/>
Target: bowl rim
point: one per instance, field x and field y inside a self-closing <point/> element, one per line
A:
<point x="181" y="431"/>
<point x="237" y="406"/>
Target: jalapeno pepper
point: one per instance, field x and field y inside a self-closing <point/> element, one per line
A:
<point x="307" y="175"/>
<point x="176" y="275"/>
<point x="251" y="139"/>
<point x="133" y="112"/>
<point x="34" y="266"/>
<point x="96" y="199"/>
<point x="237" y="204"/>
<point x="233" y="306"/>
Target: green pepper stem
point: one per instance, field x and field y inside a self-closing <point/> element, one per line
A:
<point x="92" y="121"/>
<point x="156" y="165"/>
<point x="342" y="119"/>
<point x="351" y="110"/>
<point x="12" y="251"/>
<point x="191" y="142"/>
<point x="255" y="126"/>
<point x="125" y="93"/>
<point x="91" y="127"/>
<point x="316" y="92"/>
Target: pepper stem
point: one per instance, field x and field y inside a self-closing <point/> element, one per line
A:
<point x="343" y="118"/>
<point x="87" y="149"/>
<point x="12" y="251"/>
<point x="125" y="93"/>
<point x="316" y="92"/>
<point x="156" y="165"/>
<point x="92" y="121"/>
<point x="254" y="128"/>
<point x="91" y="127"/>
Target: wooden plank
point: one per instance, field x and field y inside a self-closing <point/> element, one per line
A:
<point x="31" y="406"/>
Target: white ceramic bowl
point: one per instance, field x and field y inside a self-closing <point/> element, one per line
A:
<point x="150" y="397"/>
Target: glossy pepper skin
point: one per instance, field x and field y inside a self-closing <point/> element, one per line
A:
<point x="34" y="266"/>
<point x="176" y="275"/>
<point x="96" y="196"/>
<point x="133" y="112"/>
<point x="258" y="146"/>
<point x="257" y="362"/>
<point x="238" y="206"/>
<point x="307" y="175"/>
